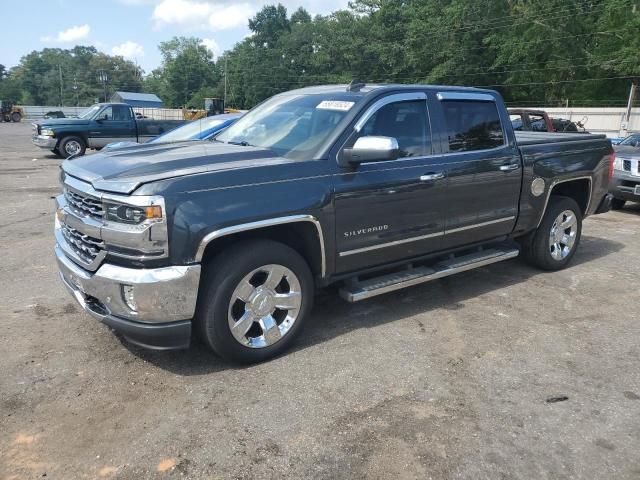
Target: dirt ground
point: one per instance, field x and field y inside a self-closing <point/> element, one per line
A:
<point x="452" y="379"/>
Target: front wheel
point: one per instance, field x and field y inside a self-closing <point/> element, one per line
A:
<point x="253" y="301"/>
<point x="556" y="240"/>
<point x="16" y="117"/>
<point x="72" y="146"/>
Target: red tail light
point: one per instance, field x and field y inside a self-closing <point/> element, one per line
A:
<point x="612" y="159"/>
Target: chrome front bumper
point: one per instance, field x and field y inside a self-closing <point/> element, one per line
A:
<point x="161" y="295"/>
<point x="44" y="141"/>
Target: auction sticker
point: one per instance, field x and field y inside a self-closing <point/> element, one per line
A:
<point x="335" y="105"/>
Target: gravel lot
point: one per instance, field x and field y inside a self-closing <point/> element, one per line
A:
<point x="446" y="380"/>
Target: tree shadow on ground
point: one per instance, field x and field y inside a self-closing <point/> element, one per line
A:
<point x="333" y="317"/>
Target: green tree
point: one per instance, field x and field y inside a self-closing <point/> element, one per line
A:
<point x="187" y="68"/>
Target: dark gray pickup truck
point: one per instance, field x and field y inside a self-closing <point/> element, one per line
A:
<point x="371" y="187"/>
<point x="99" y="125"/>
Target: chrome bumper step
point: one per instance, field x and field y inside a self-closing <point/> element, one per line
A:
<point x="362" y="289"/>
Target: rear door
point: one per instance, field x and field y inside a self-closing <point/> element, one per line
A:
<point x="391" y="210"/>
<point x="483" y="167"/>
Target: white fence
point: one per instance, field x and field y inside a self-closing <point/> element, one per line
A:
<point x="33" y="112"/>
<point x="610" y="121"/>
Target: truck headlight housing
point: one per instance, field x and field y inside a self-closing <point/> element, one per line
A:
<point x="130" y="214"/>
<point x="618" y="164"/>
<point x="47" y="132"/>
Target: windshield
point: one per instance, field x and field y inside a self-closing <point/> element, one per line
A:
<point x="195" y="130"/>
<point x="91" y="111"/>
<point x="632" y="140"/>
<point x="293" y="126"/>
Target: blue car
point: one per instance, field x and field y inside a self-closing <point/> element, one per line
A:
<point x="201" y="129"/>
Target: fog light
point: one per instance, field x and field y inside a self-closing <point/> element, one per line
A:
<point x="129" y="297"/>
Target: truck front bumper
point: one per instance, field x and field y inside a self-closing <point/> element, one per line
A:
<point x="152" y="308"/>
<point x="43" y="141"/>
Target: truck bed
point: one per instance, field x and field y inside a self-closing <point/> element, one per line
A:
<point x="538" y="138"/>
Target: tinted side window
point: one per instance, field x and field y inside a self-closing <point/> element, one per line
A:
<point x="407" y="122"/>
<point x="106" y="114"/>
<point x="472" y="125"/>
<point x="121" y="113"/>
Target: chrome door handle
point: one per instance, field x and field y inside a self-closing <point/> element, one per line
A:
<point x="509" y="167"/>
<point x="430" y="177"/>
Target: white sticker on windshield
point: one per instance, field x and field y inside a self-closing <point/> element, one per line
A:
<point x="335" y="105"/>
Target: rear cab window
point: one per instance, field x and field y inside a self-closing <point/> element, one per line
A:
<point x="472" y="125"/>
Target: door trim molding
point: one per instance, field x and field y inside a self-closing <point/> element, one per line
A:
<point x="377" y="246"/>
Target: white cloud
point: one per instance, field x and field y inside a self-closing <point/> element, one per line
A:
<point x="212" y="46"/>
<point x="72" y="34"/>
<point x="181" y="12"/>
<point x="203" y="15"/>
<point x="231" y="16"/>
<point x="128" y="49"/>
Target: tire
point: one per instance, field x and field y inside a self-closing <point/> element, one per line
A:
<point x="6" y="118"/>
<point x="72" y="146"/>
<point x="554" y="252"/>
<point x="56" y="152"/>
<point x="617" y="204"/>
<point x="16" y="117"/>
<point x="236" y="286"/>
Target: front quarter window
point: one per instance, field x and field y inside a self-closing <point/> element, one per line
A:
<point x="293" y="126"/>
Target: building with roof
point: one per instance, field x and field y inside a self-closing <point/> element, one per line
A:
<point x="145" y="100"/>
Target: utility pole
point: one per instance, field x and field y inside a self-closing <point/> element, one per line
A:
<point x="75" y="88"/>
<point x="226" y="64"/>
<point x="102" y="76"/>
<point x="60" y="72"/>
<point x="627" y="116"/>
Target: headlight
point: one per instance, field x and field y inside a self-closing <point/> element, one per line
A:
<point x="132" y="214"/>
<point x="617" y="164"/>
<point x="47" y="132"/>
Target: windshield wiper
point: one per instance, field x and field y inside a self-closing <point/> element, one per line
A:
<point x="243" y="143"/>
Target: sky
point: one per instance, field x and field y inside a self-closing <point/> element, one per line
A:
<point x="132" y="28"/>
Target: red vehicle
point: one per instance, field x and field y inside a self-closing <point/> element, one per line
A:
<point x="530" y="120"/>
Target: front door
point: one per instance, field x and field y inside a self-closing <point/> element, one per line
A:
<point x="484" y="169"/>
<point x="112" y="124"/>
<point x="390" y="210"/>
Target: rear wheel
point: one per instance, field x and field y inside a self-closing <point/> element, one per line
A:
<point x="69" y="146"/>
<point x="617" y="203"/>
<point x="555" y="241"/>
<point x="253" y="301"/>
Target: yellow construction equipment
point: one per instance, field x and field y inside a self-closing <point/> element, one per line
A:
<point x="10" y="112"/>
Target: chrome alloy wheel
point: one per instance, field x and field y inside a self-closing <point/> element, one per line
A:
<point x="72" y="147"/>
<point x="563" y="235"/>
<point x="264" y="306"/>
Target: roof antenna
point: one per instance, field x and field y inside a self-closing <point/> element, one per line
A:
<point x="355" y="86"/>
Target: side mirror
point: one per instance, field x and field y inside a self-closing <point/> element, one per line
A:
<point x="371" y="149"/>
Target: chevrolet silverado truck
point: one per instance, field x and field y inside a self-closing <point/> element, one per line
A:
<point x="371" y="187"/>
<point x="99" y="125"/>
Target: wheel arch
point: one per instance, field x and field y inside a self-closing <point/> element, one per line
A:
<point x="578" y="189"/>
<point x="303" y="233"/>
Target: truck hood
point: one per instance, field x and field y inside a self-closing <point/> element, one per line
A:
<point x="59" y="122"/>
<point x="122" y="171"/>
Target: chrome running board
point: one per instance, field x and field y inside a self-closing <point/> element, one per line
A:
<point x="362" y="289"/>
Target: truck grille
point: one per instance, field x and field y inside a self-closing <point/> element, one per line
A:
<point x="84" y="246"/>
<point x="88" y="206"/>
<point x="626" y="165"/>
